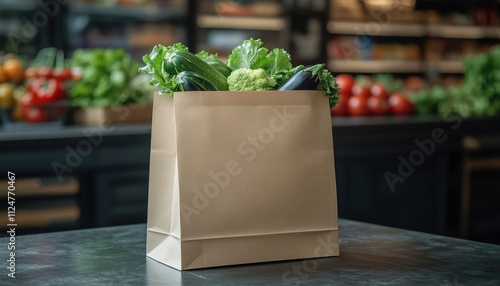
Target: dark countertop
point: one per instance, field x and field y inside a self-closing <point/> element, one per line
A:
<point x="369" y="255"/>
<point x="34" y="132"/>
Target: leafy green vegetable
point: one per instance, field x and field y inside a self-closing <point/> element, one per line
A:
<point x="389" y="82"/>
<point x="246" y="79"/>
<point x="155" y="66"/>
<point x="327" y="82"/>
<point x="477" y="96"/>
<point x="164" y="63"/>
<point x="429" y="101"/>
<point x="106" y="80"/>
<point x="205" y="55"/>
<point x="250" y="66"/>
<point x="251" y="55"/>
<point x="279" y="65"/>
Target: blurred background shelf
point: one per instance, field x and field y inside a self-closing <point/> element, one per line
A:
<point x="446" y="66"/>
<point x="245" y="23"/>
<point x="376" y="29"/>
<point x="391" y="29"/>
<point x="45" y="203"/>
<point x="463" y="32"/>
<point x="147" y="13"/>
<point x="17" y="6"/>
<point x="44" y="187"/>
<point x="134" y="27"/>
<point x="50" y="217"/>
<point x="375" y="66"/>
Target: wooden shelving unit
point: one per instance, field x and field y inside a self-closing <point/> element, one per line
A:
<point x="361" y="66"/>
<point x="448" y="67"/>
<point x="245" y="23"/>
<point x="463" y="32"/>
<point x="149" y="13"/>
<point x="45" y="203"/>
<point x="376" y="29"/>
<point x="425" y="31"/>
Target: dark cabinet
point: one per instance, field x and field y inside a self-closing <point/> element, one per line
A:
<point x="122" y="196"/>
<point x="386" y="176"/>
<point x="75" y="177"/>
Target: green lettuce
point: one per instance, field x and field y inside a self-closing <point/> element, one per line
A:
<point x="165" y="82"/>
<point x="251" y="55"/>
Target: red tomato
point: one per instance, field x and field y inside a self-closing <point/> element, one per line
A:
<point x="44" y="72"/>
<point x="378" y="106"/>
<point x="360" y="90"/>
<point x="345" y="82"/>
<point x="35" y="115"/>
<point x="379" y="90"/>
<point x="31" y="112"/>
<point x="399" y="104"/>
<point x="341" y="108"/>
<point x="358" y="106"/>
<point x="46" y="91"/>
<point x="62" y="74"/>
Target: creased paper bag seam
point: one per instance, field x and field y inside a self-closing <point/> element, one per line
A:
<point x="260" y="234"/>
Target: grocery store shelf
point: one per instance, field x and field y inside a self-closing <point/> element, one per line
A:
<point x="150" y="13"/>
<point x="380" y="66"/>
<point x="412" y="30"/>
<point x="246" y="23"/>
<point x="376" y="29"/>
<point x="463" y="32"/>
<point x="446" y="66"/>
<point x="17" y="6"/>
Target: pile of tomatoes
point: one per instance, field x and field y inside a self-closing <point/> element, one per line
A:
<point x="37" y="93"/>
<point x="44" y="100"/>
<point x="368" y="98"/>
<point x="46" y="94"/>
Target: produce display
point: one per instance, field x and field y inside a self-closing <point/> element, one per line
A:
<point x="36" y="93"/>
<point x="249" y="67"/>
<point x="46" y="94"/>
<point x="371" y="96"/>
<point x="11" y="75"/>
<point x="43" y="89"/>
<point x="12" y="70"/>
<point x="478" y="95"/>
<point x="108" y="77"/>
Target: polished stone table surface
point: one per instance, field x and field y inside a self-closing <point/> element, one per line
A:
<point x="370" y="255"/>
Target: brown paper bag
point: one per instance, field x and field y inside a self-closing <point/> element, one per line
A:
<point x="241" y="177"/>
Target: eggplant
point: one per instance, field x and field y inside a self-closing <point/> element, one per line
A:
<point x="302" y="80"/>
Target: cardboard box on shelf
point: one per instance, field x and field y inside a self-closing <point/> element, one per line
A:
<point x="127" y="114"/>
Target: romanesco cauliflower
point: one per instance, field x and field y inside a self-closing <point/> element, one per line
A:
<point x="245" y="79"/>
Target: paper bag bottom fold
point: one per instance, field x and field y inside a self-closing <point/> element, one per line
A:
<point x="225" y="251"/>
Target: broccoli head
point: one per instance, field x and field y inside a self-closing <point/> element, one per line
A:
<point x="245" y="79"/>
